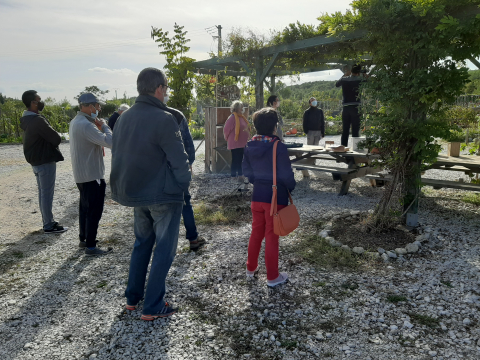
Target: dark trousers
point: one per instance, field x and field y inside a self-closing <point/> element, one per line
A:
<point x="237" y="158"/>
<point x="350" y="117"/>
<point x="189" y="219"/>
<point x="92" y="197"/>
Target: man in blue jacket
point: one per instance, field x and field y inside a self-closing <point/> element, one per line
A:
<point x="150" y="173"/>
<point x="196" y="242"/>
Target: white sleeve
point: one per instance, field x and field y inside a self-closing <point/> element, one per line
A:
<point x="97" y="137"/>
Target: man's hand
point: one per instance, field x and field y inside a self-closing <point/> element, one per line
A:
<point x="100" y="122"/>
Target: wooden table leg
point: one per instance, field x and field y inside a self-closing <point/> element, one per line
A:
<point x="344" y="188"/>
<point x="304" y="172"/>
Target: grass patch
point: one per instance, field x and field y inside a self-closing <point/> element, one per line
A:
<point x="288" y="345"/>
<point x="425" y="320"/>
<point x="227" y="209"/>
<point x="472" y="199"/>
<point x="112" y="241"/>
<point x="317" y="251"/>
<point x="18" y="254"/>
<point x="319" y="284"/>
<point x="102" y="284"/>
<point x="396" y="298"/>
<point x="447" y="283"/>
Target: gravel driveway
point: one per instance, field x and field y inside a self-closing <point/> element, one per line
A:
<point x="57" y="304"/>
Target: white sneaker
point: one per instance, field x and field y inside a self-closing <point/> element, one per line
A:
<point x="283" y="277"/>
<point x="251" y="274"/>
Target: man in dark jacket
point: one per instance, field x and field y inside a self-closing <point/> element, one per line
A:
<point x="113" y="119"/>
<point x="314" y="127"/>
<point x="350" y="83"/>
<point x="150" y="172"/>
<point x="196" y="242"/>
<point x="40" y="146"/>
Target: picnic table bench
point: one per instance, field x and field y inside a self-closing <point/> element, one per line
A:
<point x="358" y="164"/>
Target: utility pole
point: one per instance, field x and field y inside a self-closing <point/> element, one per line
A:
<point x="219" y="37"/>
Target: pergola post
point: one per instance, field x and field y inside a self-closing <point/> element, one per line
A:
<point x="258" y="82"/>
<point x="272" y="84"/>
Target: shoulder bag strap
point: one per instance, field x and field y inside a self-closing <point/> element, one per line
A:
<point x="273" y="206"/>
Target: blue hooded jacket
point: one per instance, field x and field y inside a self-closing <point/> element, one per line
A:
<point x="258" y="167"/>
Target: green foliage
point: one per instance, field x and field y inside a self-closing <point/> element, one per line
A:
<point x="461" y="116"/>
<point x="472" y="198"/>
<point x="95" y="90"/>
<point x="179" y="69"/>
<point x="473" y="87"/>
<point x="396" y="298"/>
<point x="197" y="132"/>
<point x="419" y="48"/>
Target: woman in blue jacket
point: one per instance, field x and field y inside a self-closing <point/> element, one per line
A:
<point x="258" y="167"/>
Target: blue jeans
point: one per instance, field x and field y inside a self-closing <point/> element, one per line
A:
<point x="45" y="175"/>
<point x="189" y="219"/>
<point x="153" y="225"/>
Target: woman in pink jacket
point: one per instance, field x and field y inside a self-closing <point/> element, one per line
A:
<point x="236" y="133"/>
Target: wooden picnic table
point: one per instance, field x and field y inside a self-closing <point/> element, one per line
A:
<point x="358" y="164"/>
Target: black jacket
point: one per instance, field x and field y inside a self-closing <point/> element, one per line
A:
<point x="113" y="119"/>
<point x="40" y="141"/>
<point x="314" y="120"/>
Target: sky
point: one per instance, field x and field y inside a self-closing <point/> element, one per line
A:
<point x="60" y="47"/>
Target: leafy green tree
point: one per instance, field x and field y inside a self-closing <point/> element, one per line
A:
<point x="94" y="90"/>
<point x="419" y="48"/>
<point x="179" y="69"/>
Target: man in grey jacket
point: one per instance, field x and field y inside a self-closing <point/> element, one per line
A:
<point x="88" y="135"/>
<point x="150" y="173"/>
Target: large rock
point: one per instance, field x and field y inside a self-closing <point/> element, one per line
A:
<point x="330" y="240"/>
<point x="346" y="248"/>
<point x="385" y="257"/>
<point x="401" y="251"/>
<point x="391" y="254"/>
<point x="358" y="250"/>
<point x="411" y="248"/>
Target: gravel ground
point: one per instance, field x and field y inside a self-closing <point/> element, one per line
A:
<point x="57" y="304"/>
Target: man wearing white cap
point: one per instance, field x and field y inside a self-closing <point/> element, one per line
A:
<point x="88" y="134"/>
<point x="113" y="119"/>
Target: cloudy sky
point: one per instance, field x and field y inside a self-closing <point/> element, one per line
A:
<point x="59" y="47"/>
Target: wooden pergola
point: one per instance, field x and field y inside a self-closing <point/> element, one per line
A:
<point x="264" y="62"/>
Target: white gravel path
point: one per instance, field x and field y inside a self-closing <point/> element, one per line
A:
<point x="57" y="304"/>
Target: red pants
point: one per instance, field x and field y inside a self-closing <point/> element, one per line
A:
<point x="262" y="227"/>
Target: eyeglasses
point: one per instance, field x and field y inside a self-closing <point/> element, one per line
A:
<point x="168" y="87"/>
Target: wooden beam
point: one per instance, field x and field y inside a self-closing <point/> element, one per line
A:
<point x="259" y="82"/>
<point x="475" y="61"/>
<point x="269" y="66"/>
<point x="309" y="43"/>
<point x="226" y="72"/>
<point x="272" y="81"/>
<point x="245" y="66"/>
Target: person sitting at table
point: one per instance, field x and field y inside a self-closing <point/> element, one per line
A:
<point x="258" y="167"/>
<point x="236" y="133"/>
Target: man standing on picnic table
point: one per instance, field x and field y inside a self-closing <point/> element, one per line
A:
<point x="350" y="83"/>
<point x="314" y="127"/>
<point x="40" y="147"/>
<point x="150" y="173"/>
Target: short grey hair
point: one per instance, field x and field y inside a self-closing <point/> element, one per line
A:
<point x="123" y="107"/>
<point x="235" y="106"/>
<point x="149" y="80"/>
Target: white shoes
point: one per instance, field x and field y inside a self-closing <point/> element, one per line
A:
<point x="282" y="278"/>
<point x="251" y="274"/>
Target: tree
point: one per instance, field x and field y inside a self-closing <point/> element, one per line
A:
<point x="94" y="90"/>
<point x="419" y="48"/>
<point x="179" y="69"/>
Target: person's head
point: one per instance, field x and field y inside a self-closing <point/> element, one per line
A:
<point x="312" y="102"/>
<point x="273" y="101"/>
<point x="356" y="69"/>
<point x="152" y="81"/>
<point x="347" y="70"/>
<point x="90" y="104"/>
<point x="122" y="108"/>
<point x="32" y="101"/>
<point x="265" y="121"/>
<point x="237" y="107"/>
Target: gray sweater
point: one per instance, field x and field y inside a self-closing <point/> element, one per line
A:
<point x="86" y="143"/>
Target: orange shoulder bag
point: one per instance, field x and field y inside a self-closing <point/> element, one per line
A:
<point x="287" y="219"/>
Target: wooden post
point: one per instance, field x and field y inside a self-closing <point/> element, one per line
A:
<point x="272" y="84"/>
<point x="213" y="138"/>
<point x="258" y="83"/>
<point x="207" y="140"/>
